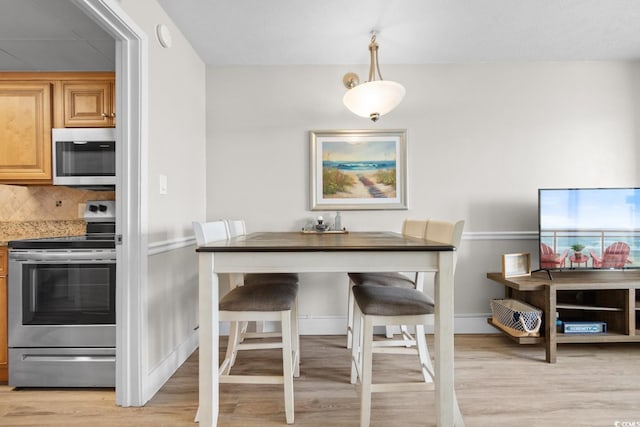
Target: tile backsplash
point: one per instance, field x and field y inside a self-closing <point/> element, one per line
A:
<point x="46" y="202"/>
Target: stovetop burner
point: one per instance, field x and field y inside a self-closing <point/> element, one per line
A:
<point x="101" y="227"/>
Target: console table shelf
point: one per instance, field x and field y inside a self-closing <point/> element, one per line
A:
<point x="519" y="340"/>
<point x="587" y="307"/>
<point x="612" y="297"/>
<point x="595" y="338"/>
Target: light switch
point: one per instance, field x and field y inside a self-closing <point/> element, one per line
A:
<point x="163" y="184"/>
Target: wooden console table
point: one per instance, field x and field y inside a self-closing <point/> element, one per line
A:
<point x="612" y="297"/>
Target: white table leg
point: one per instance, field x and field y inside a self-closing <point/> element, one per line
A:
<point x="208" y="338"/>
<point x="443" y="333"/>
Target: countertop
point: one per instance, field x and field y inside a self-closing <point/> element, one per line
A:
<point x="17" y="230"/>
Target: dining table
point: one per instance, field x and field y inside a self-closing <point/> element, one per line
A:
<point x="302" y="252"/>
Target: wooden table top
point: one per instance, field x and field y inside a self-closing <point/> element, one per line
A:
<point x="301" y="242"/>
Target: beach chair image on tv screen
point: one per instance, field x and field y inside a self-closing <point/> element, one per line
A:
<point x="615" y="256"/>
<point x="549" y="259"/>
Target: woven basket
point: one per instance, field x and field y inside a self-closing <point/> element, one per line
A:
<point x="516" y="318"/>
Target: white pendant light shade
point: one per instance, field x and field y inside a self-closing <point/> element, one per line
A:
<point x="374" y="99"/>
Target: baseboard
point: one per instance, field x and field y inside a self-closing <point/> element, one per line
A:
<point x="475" y="323"/>
<point x="159" y="375"/>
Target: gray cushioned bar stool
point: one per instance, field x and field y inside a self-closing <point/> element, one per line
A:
<point x="272" y="299"/>
<point x="435" y="230"/>
<point x="235" y="228"/>
<point x="411" y="228"/>
<point x="387" y="306"/>
<point x="273" y="302"/>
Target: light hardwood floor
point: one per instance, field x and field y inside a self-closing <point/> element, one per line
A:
<point x="498" y="383"/>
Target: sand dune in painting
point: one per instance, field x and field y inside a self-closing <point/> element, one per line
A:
<point x="365" y="186"/>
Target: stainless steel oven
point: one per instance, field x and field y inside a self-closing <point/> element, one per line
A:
<point x="62" y="309"/>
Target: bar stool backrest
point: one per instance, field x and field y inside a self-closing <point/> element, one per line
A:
<point x="414" y="227"/>
<point x="206" y="232"/>
<point x="236" y="227"/>
<point x="445" y="232"/>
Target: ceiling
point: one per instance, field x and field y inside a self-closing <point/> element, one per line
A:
<point x="52" y="35"/>
<point x="274" y="32"/>
<point x="55" y="35"/>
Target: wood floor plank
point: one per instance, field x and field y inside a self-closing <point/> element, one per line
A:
<point x="498" y="383"/>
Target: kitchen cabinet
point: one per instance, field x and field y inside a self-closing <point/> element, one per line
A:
<point x="25" y="131"/>
<point x="31" y="104"/>
<point x="89" y="103"/>
<point x="3" y="314"/>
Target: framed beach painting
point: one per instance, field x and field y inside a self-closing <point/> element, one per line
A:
<point x="358" y="169"/>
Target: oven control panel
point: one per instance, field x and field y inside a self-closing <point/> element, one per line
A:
<point x="100" y="210"/>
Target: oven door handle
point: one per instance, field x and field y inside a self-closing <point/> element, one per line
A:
<point x="68" y="358"/>
<point x="63" y="256"/>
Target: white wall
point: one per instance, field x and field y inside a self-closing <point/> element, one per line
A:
<point x="482" y="140"/>
<point x="176" y="149"/>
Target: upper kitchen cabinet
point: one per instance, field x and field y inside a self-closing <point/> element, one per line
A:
<point x="31" y="104"/>
<point x="25" y="131"/>
<point x="89" y="103"/>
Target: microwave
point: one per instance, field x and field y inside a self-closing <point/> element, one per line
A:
<point x="84" y="157"/>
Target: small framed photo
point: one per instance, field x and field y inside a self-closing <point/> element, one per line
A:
<point x="358" y="169"/>
<point x="516" y="265"/>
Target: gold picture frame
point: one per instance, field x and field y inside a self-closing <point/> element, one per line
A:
<point x="516" y="265"/>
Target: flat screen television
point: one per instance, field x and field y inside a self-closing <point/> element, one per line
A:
<point x="589" y="228"/>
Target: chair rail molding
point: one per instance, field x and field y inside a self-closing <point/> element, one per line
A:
<point x="157" y="248"/>
<point x="500" y="235"/>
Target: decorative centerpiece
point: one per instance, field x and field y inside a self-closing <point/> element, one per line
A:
<point x="320" y="225"/>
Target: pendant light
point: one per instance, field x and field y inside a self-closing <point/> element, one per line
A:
<point x="375" y="97"/>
